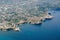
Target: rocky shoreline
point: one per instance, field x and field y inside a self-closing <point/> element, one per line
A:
<point x="38" y="20"/>
<point x="5" y="26"/>
<point x="8" y="27"/>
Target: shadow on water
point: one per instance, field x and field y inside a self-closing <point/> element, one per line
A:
<point x="36" y="25"/>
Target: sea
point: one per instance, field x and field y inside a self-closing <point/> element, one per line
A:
<point x="48" y="30"/>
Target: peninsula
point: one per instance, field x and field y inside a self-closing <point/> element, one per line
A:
<point x="9" y="20"/>
<point x="24" y="11"/>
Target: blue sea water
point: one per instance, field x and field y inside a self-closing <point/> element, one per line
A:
<point x="48" y="30"/>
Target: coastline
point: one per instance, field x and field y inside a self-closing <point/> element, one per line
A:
<point x="31" y="20"/>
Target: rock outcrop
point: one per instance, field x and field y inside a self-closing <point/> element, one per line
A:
<point x="7" y="27"/>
